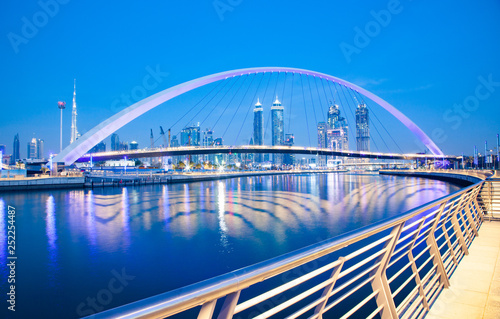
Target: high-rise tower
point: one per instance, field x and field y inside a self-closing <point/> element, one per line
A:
<point x="278" y="129"/>
<point x="15" y="153"/>
<point x="74" y="130"/>
<point x="362" y="128"/>
<point x="258" y="128"/>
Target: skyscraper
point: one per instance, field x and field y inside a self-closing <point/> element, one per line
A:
<point x="333" y="115"/>
<point x="277" y="129"/>
<point x="115" y="142"/>
<point x="362" y="128"/>
<point x="190" y="136"/>
<point x="74" y="130"/>
<point x="35" y="149"/>
<point x="337" y="130"/>
<point x="208" y="141"/>
<point x="289" y="159"/>
<point x="322" y="135"/>
<point x="15" y="150"/>
<point x="258" y="128"/>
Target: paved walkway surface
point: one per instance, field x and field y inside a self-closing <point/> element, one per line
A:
<point x="474" y="290"/>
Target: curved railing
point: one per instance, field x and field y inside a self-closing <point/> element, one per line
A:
<point x="394" y="268"/>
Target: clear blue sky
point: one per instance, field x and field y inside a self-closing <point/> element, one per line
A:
<point x="426" y="59"/>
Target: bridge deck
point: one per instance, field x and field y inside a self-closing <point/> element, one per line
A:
<point x="475" y="286"/>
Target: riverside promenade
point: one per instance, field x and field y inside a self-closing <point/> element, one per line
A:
<point x="474" y="290"/>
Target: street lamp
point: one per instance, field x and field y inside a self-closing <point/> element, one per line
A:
<point x="62" y="106"/>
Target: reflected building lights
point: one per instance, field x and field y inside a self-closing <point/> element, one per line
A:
<point x="90" y="220"/>
<point x="50" y="222"/>
<point x="221" y="200"/>
<point x="125" y="212"/>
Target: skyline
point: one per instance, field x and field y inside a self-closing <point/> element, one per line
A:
<point x="422" y="61"/>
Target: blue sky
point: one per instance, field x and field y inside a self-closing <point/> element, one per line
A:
<point x="430" y="58"/>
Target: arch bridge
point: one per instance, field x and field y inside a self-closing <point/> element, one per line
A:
<point x="77" y="150"/>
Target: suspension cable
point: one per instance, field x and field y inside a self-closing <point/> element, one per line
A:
<point x="305" y="110"/>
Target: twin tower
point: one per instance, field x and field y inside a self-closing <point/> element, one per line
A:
<point x="277" y="127"/>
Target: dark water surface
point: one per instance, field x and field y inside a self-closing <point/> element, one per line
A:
<point x="82" y="251"/>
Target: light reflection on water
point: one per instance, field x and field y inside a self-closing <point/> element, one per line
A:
<point x="169" y="236"/>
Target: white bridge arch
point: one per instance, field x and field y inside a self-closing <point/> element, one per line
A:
<point x="81" y="146"/>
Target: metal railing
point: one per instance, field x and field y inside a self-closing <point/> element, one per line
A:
<point x="392" y="269"/>
<point x="489" y="196"/>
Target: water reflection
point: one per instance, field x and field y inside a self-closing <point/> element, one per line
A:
<point x="51" y="232"/>
<point x="221" y="195"/>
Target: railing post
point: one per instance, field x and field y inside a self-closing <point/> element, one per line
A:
<point x="227" y="310"/>
<point x="456" y="226"/>
<point x="468" y="213"/>
<point x="207" y="310"/>
<point x="318" y="312"/>
<point x="434" y="249"/>
<point x="384" y="298"/>
<point x="414" y="267"/>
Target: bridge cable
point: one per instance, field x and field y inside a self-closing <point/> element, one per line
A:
<point x="218" y="84"/>
<point x="348" y="107"/>
<point x="269" y="114"/>
<point x="312" y="101"/>
<point x="229" y="103"/>
<point x="239" y="105"/>
<point x="291" y="102"/>
<point x="324" y="91"/>
<point x="217" y="104"/>
<point x="305" y="110"/>
<point x="319" y="99"/>
<point x="249" y="107"/>
<point x="225" y="84"/>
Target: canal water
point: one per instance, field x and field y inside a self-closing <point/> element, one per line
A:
<point x="83" y="251"/>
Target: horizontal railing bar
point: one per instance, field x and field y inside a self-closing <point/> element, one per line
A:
<point x="361" y="263"/>
<point x="294" y="300"/>
<point x="396" y="275"/>
<point x="413" y="307"/>
<point x="344" y="296"/>
<point x="407" y="281"/>
<point x="422" y="252"/>
<point x="429" y="274"/>
<point x="276" y="291"/>
<point x="375" y="312"/>
<point x="367" y="248"/>
<point x="359" y="305"/>
<point x="408" y="299"/>
<point x="354" y="279"/>
<point x="425" y="263"/>
<point x="397" y="258"/>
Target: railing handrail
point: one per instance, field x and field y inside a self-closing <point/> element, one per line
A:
<point x="196" y="294"/>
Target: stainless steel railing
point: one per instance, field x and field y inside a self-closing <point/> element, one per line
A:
<point x="392" y="269"/>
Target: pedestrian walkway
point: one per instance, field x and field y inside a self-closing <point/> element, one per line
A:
<point x="474" y="290"/>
